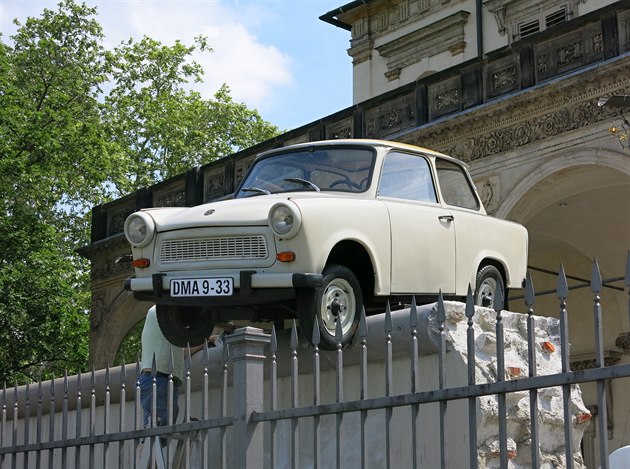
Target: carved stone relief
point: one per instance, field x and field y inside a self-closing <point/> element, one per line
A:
<point x="213" y="183"/>
<point x="445" y="97"/>
<point x="390" y="117"/>
<point x="104" y="256"/>
<point x="176" y="198"/>
<point x="548" y="113"/>
<point x="489" y="189"/>
<point x="502" y="76"/>
<point x="340" y="129"/>
<point x="116" y="219"/>
<point x="569" y="52"/>
<point x="624" y="30"/>
<point x="241" y="168"/>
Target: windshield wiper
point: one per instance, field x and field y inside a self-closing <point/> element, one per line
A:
<point x="303" y="181"/>
<point x="256" y="189"/>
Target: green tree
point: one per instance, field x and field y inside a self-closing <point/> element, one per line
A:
<point x="162" y="129"/>
<point x="79" y="125"/>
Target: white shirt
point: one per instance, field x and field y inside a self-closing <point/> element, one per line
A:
<point x="154" y="342"/>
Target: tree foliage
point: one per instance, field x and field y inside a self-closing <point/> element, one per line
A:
<point x="80" y="125"/>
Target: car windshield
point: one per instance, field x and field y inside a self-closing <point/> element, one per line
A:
<point x="347" y="169"/>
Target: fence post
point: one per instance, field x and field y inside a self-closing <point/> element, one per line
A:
<point x="247" y="355"/>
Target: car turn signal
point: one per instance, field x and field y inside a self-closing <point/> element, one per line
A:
<point x="141" y="263"/>
<point x="286" y="256"/>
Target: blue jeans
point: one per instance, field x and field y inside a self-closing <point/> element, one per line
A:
<point x="161" y="408"/>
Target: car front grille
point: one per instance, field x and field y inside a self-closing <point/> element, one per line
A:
<point x="212" y="249"/>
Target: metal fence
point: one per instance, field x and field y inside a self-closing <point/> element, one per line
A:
<point x="271" y="400"/>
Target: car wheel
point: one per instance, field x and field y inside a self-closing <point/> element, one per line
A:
<point x="489" y="281"/>
<point x="339" y="299"/>
<point x="183" y="326"/>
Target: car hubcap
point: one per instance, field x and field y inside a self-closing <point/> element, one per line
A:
<point x="486" y="292"/>
<point x="338" y="304"/>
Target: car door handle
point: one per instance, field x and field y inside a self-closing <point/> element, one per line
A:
<point x="448" y="218"/>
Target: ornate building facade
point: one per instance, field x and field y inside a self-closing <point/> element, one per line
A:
<point x="512" y="87"/>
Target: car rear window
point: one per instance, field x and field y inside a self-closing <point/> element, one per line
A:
<point x="455" y="186"/>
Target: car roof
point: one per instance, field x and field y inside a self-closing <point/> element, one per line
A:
<point x="365" y="142"/>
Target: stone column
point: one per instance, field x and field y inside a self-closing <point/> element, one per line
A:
<point x="246" y="350"/>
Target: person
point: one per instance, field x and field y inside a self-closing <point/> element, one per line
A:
<point x="155" y="344"/>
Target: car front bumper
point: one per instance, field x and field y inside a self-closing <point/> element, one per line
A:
<point x="250" y="288"/>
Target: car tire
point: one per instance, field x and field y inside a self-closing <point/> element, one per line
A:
<point x="184" y="326"/>
<point x="488" y="282"/>
<point x="339" y="298"/>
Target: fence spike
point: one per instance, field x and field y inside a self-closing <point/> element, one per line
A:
<point x="388" y="318"/>
<point x="52" y="388"/>
<point x="441" y="313"/>
<point x="362" y="324"/>
<point x="226" y="353"/>
<point x="596" y="277"/>
<point x="470" y="305"/>
<point x="338" y="333"/>
<point x="294" y="337"/>
<point x="499" y="299"/>
<point x="153" y="366"/>
<point x="530" y="295"/>
<point x="123" y="372"/>
<point x="274" y="340"/>
<point x="205" y="358"/>
<point x="563" y="287"/>
<point x="187" y="359"/>
<point x="315" y="339"/>
<point x="413" y="313"/>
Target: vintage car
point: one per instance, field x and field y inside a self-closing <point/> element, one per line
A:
<point x="318" y="231"/>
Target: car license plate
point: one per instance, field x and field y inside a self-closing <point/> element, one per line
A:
<point x="219" y="286"/>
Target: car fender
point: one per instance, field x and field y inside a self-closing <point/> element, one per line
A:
<point x="328" y="222"/>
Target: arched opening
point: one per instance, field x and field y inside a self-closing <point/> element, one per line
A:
<point x="577" y="211"/>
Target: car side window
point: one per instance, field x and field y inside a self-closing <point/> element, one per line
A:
<point x="455" y="186"/>
<point x="407" y="176"/>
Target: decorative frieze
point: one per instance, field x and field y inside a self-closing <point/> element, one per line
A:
<point x="555" y="110"/>
<point x="569" y="52"/>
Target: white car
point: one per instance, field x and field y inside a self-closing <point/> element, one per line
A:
<point x="319" y="230"/>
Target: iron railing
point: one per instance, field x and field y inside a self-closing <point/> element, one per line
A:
<point x="274" y="402"/>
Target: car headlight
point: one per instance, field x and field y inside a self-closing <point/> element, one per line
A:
<point x="285" y="220"/>
<point x="139" y="229"/>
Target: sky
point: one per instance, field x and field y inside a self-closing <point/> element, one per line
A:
<point x="276" y="56"/>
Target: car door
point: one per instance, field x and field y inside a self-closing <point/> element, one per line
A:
<point x="422" y="232"/>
